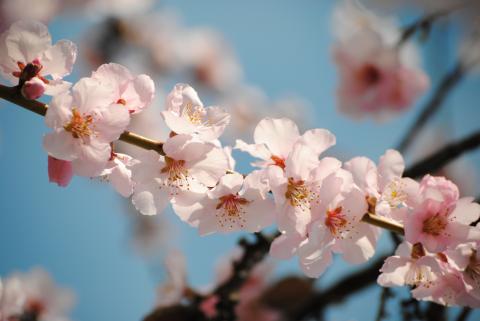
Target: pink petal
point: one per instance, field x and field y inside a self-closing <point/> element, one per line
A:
<point x="278" y="134"/>
<point x="59" y="171"/>
<point x="58" y="60"/>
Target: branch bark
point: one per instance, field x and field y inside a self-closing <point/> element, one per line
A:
<point x="13" y="95"/>
<point x="447" y="84"/>
<point x="442" y="157"/>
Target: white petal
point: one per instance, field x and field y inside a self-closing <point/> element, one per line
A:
<point x="394" y="271"/>
<point x="149" y="200"/>
<point x="111" y="122"/>
<point x="61" y="145"/>
<point x="278" y="134"/>
<point x="89" y="94"/>
<point x="285" y="246"/>
<point x="27" y="40"/>
<point x="256" y="150"/>
<point x="58" y="60"/>
<point x="59" y="112"/>
<point x="319" y="140"/>
<point x="259" y="214"/>
<point x="301" y="161"/>
<point x="390" y="166"/>
<point x="92" y="159"/>
<point x="364" y="174"/>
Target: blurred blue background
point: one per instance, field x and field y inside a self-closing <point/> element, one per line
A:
<point x="81" y="234"/>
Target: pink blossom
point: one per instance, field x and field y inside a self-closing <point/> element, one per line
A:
<point x="26" y="52"/>
<point x="134" y="92"/>
<point x="185" y="114"/>
<point x="236" y="203"/>
<point x="33" y="88"/>
<point x="411" y="265"/>
<point x="384" y="186"/>
<point x="34" y="293"/>
<point x="466" y="259"/>
<point x="441" y="221"/>
<point x="375" y="77"/>
<point x="336" y="226"/>
<point x="59" y="171"/>
<point x="274" y="140"/>
<point x="118" y="173"/>
<point x="182" y="176"/>
<point x="84" y="124"/>
<point x="208" y="306"/>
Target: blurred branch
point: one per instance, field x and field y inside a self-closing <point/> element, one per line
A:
<point x="382" y="309"/>
<point x="424" y="24"/>
<point x="253" y="253"/>
<point x="442" y="157"/>
<point x="339" y="291"/>
<point x="435" y="312"/>
<point x="13" y="95"/>
<point x="463" y="316"/>
<point x="447" y="84"/>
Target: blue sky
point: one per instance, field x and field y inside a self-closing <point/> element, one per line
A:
<point x="81" y="234"/>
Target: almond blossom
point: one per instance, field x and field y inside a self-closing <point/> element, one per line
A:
<point x="26" y="52"/>
<point x="84" y="124"/>
<point x="33" y="295"/>
<point x="274" y="140"/>
<point x="181" y="176"/>
<point x="185" y="114"/>
<point x="376" y="77"/>
<point x="235" y="203"/>
<point x="411" y="265"/>
<point x="466" y="259"/>
<point x="134" y="92"/>
<point x="441" y="220"/>
<point x="383" y="186"/>
<point x="336" y="226"/>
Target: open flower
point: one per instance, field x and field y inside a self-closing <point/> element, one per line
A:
<point x="466" y="259"/>
<point x="133" y="92"/>
<point x="274" y="140"/>
<point x="185" y="114"/>
<point x="84" y="124"/>
<point x="441" y="221"/>
<point x="336" y="226"/>
<point x="236" y="203"/>
<point x="384" y="186"/>
<point x="26" y="52"/>
<point x="376" y="77"/>
<point x="411" y="265"/>
<point x="188" y="168"/>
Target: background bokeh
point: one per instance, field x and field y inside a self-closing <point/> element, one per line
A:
<point x="82" y="234"/>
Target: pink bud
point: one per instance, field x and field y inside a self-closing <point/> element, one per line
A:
<point x="59" y="171"/>
<point x="33" y="89"/>
<point x="208" y="306"/>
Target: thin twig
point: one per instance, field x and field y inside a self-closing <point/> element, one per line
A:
<point x="227" y="292"/>
<point x="445" y="155"/>
<point x="340" y="291"/>
<point x="463" y="316"/>
<point x="433" y="105"/>
<point x="13" y="95"/>
<point x="382" y="308"/>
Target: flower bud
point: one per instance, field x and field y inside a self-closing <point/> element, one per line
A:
<point x="33" y="89"/>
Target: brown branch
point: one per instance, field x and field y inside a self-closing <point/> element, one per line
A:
<point x="13" y="95"/>
<point x="447" y="84"/>
<point x="339" y="291"/>
<point x="445" y="155"/>
<point x="383" y="223"/>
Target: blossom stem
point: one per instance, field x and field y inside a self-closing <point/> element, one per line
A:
<point x="13" y="95"/>
<point x="383" y="223"/>
<point x="442" y="157"/>
<point x="449" y="82"/>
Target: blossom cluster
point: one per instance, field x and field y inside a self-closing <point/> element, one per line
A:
<point x="33" y="296"/>
<point x="317" y="202"/>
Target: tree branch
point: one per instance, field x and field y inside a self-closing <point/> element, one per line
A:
<point x="382" y="308"/>
<point x="253" y="253"/>
<point x="13" y="95"/>
<point x="442" y="157"/>
<point x="339" y="291"/>
<point x="447" y="84"/>
<point x="463" y="316"/>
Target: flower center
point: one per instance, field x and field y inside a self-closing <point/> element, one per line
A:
<point x="79" y="125"/>
<point x="194" y="114"/>
<point x="369" y="74"/>
<point x="278" y="161"/>
<point x="434" y="225"/>
<point x="394" y="194"/>
<point x="417" y="251"/>
<point x="297" y="193"/>
<point x="231" y="210"/>
<point x="28" y="71"/>
<point x="177" y="172"/>
<point x="335" y="220"/>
